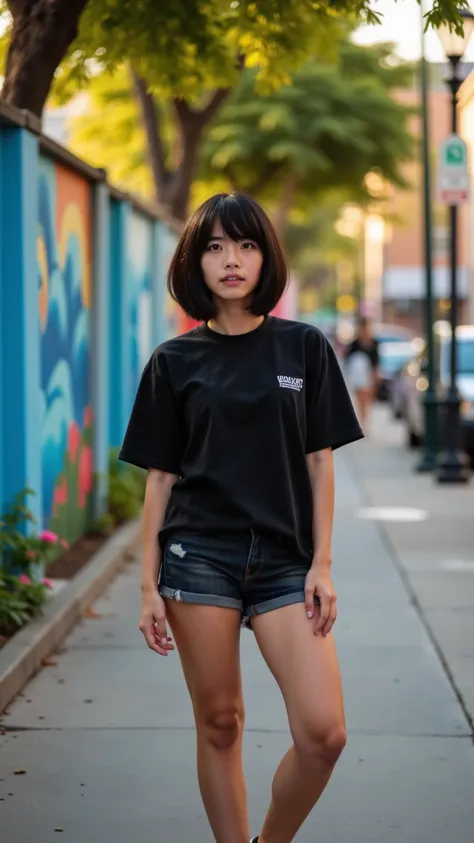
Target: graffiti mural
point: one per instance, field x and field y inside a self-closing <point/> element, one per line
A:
<point x="64" y="278"/>
<point x="140" y="257"/>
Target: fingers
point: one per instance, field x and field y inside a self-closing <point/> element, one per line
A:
<point x="327" y="614"/>
<point x="155" y="634"/>
<point x="331" y="618"/>
<point x="309" y="600"/>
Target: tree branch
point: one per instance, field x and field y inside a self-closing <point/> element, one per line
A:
<point x="42" y="32"/>
<point x="215" y="102"/>
<point x="156" y="151"/>
<point x="16" y="7"/>
<point x="270" y="171"/>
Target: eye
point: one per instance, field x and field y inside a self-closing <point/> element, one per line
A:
<point x="213" y="247"/>
<point x="247" y="245"/>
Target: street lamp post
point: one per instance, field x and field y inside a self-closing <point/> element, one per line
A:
<point x="453" y="464"/>
<point x="430" y="399"/>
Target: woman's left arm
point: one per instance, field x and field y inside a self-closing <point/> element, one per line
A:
<point x="318" y="581"/>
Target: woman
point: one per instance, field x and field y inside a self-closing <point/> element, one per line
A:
<point x="235" y="422"/>
<point x="362" y="362"/>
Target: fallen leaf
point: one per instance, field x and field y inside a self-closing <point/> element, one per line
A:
<point x="48" y="662"/>
<point x="20" y="772"/>
<point x="91" y="613"/>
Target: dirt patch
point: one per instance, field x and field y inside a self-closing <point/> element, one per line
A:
<point x="66" y="566"/>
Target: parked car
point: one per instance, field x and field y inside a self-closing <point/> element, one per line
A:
<point x="385" y="333"/>
<point x="416" y="383"/>
<point x="393" y="356"/>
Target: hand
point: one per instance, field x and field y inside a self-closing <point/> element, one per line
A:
<point x="153" y="623"/>
<point x="318" y="582"/>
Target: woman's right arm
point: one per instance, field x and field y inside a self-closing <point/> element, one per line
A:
<point x="153" y="617"/>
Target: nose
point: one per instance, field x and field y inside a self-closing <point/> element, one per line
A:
<point x="231" y="255"/>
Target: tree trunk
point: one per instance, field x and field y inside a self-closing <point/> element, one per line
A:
<point x="155" y="148"/>
<point x="41" y="34"/>
<point x="173" y="187"/>
<point x="280" y="218"/>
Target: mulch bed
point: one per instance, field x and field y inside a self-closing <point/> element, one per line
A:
<point x="72" y="560"/>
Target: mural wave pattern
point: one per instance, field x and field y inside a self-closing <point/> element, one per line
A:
<point x="64" y="281"/>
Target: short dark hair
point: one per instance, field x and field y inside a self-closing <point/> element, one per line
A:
<point x="241" y="218"/>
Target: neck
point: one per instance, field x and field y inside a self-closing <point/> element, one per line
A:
<point x="235" y="320"/>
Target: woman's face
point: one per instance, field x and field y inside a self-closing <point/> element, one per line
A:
<point x="231" y="268"/>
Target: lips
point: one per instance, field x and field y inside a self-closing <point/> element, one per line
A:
<point x="231" y="278"/>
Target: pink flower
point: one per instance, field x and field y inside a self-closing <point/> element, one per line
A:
<point x="64" y="543"/>
<point x="31" y="554"/>
<point x="48" y="536"/>
<point x="47" y="583"/>
<point x="85" y="475"/>
<point x="73" y="440"/>
<point x="24" y="579"/>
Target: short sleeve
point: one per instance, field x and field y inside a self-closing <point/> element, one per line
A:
<point x="331" y="418"/>
<point x="152" y="439"/>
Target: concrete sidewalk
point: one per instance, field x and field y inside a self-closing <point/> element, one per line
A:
<point x="106" y="736"/>
<point x="434" y="552"/>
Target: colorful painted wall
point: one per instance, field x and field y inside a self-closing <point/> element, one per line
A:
<point x="83" y="302"/>
<point x="140" y="268"/>
<point x="64" y="302"/>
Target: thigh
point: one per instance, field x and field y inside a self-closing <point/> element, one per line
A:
<point x="207" y="639"/>
<point x="305" y="667"/>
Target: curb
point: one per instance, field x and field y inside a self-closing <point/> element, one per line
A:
<point x="21" y="657"/>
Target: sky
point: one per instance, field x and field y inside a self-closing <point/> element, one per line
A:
<point x="402" y="24"/>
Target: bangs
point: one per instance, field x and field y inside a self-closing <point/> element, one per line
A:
<point x="237" y="217"/>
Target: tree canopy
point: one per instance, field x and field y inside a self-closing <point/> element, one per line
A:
<point x="328" y="129"/>
<point x="334" y="123"/>
<point x="181" y="47"/>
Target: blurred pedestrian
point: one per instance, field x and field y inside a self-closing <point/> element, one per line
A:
<point x="236" y="422"/>
<point x="362" y="369"/>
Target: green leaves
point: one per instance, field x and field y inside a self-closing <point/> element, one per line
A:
<point x="333" y="124"/>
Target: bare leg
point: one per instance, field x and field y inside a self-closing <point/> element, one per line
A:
<point x="306" y="669"/>
<point x="364" y="404"/>
<point x="207" y="638"/>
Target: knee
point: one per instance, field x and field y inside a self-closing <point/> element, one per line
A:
<point x="322" y="744"/>
<point x="222" y="727"/>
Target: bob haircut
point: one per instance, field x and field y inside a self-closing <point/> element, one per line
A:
<point x="241" y="218"/>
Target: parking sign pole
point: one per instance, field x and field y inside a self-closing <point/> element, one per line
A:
<point x="430" y="400"/>
<point x="453" y="463"/>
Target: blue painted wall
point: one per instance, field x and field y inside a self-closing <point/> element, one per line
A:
<point x="82" y="305"/>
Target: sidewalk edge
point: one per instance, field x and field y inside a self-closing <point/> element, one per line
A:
<point x="21" y="657"/>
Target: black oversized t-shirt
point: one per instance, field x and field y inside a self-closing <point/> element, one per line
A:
<point x="234" y="416"/>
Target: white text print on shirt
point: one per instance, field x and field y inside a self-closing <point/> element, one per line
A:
<point x="290" y="383"/>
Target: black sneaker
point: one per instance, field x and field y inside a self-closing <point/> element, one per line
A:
<point x="254" y="840"/>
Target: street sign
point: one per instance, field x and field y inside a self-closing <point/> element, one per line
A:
<point x="453" y="171"/>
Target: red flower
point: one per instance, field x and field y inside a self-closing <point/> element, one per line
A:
<point x="73" y="440"/>
<point x="85" y="474"/>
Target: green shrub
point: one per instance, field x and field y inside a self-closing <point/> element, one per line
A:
<point x="20" y="600"/>
<point x="126" y="489"/>
<point x="103" y="525"/>
<point x="21" y="552"/>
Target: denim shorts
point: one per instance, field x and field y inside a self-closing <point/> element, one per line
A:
<point x="249" y="571"/>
